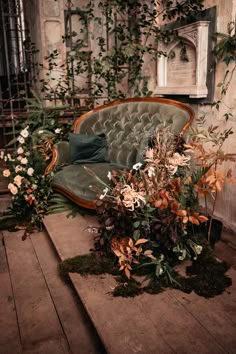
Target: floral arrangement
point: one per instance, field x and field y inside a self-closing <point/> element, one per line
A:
<point x="149" y="215"/>
<point x="25" y="167"/>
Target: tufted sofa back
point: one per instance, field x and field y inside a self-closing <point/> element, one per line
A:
<point x="128" y="123"/>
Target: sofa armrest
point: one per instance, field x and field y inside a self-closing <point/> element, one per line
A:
<point x="60" y="155"/>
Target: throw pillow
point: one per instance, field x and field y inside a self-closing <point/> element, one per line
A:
<point x="88" y="148"/>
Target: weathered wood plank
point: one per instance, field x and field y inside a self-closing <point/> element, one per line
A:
<point x="9" y="333"/>
<point x="50" y="346"/>
<point x="37" y="318"/>
<point x="69" y="235"/>
<point x="226" y="253"/>
<point x="81" y="336"/>
<point x="121" y="323"/>
<point x="147" y="323"/>
<point x="216" y="315"/>
<point x="178" y="326"/>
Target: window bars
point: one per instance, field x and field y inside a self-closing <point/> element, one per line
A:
<point x="15" y="65"/>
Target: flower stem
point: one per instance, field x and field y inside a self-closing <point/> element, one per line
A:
<point x="211" y="218"/>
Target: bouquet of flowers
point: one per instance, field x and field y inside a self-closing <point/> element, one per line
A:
<point x="150" y="213"/>
<point x="25" y="168"/>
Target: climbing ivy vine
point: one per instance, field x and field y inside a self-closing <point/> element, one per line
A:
<point x="225" y="51"/>
<point x="105" y="59"/>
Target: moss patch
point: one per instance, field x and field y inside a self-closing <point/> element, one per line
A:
<point x="206" y="276"/>
<point x="127" y="288"/>
<point x="8" y="223"/>
<point x="88" y="264"/>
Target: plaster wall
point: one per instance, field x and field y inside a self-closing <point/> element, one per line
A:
<point x="46" y="22"/>
<point x="225" y="206"/>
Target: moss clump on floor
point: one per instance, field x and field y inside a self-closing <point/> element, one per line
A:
<point x="88" y="264"/>
<point x="9" y="223"/>
<point x="206" y="276"/>
<point x="127" y="288"/>
<point x="155" y="286"/>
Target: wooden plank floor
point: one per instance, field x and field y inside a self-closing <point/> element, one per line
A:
<point x="170" y="322"/>
<point x="9" y="332"/>
<point x="38" y="312"/>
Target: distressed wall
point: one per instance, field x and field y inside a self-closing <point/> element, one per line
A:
<point x="226" y="206"/>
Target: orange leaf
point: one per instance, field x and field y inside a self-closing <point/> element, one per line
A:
<point x="158" y="203"/>
<point x="202" y="218"/>
<point x="127" y="273"/>
<point x="181" y="212"/>
<point x="140" y="241"/>
<point x="193" y="220"/>
<point x="229" y="173"/>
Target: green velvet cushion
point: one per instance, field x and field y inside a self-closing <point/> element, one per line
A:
<point x="87" y="148"/>
<point x="76" y="180"/>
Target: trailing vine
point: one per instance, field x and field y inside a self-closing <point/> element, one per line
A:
<point x="125" y="34"/>
<point x="225" y="51"/>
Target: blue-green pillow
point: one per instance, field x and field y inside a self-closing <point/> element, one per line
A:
<point x="88" y="148"/>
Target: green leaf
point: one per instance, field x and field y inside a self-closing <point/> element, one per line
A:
<point x="136" y="224"/>
<point x="136" y="235"/>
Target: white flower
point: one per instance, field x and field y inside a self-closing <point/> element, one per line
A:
<point x="151" y="172"/>
<point x="24" y="161"/>
<point x="137" y="166"/>
<point x="105" y="191"/>
<point x="131" y="198"/>
<point x="18" y="180"/>
<point x="19" y="158"/>
<point x="198" y="249"/>
<point x="1" y="155"/>
<point x="18" y="168"/>
<point x="30" y="171"/>
<point x="40" y="132"/>
<point x="181" y="258"/>
<point x="24" y="133"/>
<point x="6" y="173"/>
<point x="21" y="139"/>
<point x="20" y="150"/>
<point x="109" y="175"/>
<point x="13" y="189"/>
<point x="58" y="130"/>
<point x="172" y="169"/>
<point x="179" y="160"/>
<point x="27" y="153"/>
<point x="10" y="158"/>
<point x="34" y="186"/>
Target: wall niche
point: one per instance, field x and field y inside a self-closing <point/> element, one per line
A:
<point x="179" y="77"/>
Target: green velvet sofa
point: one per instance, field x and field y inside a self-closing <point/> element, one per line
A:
<point x="126" y="125"/>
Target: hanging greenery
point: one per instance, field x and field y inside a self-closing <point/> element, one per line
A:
<point x="225" y="51"/>
<point x="123" y="35"/>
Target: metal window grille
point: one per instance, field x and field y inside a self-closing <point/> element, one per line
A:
<point x="15" y="65"/>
